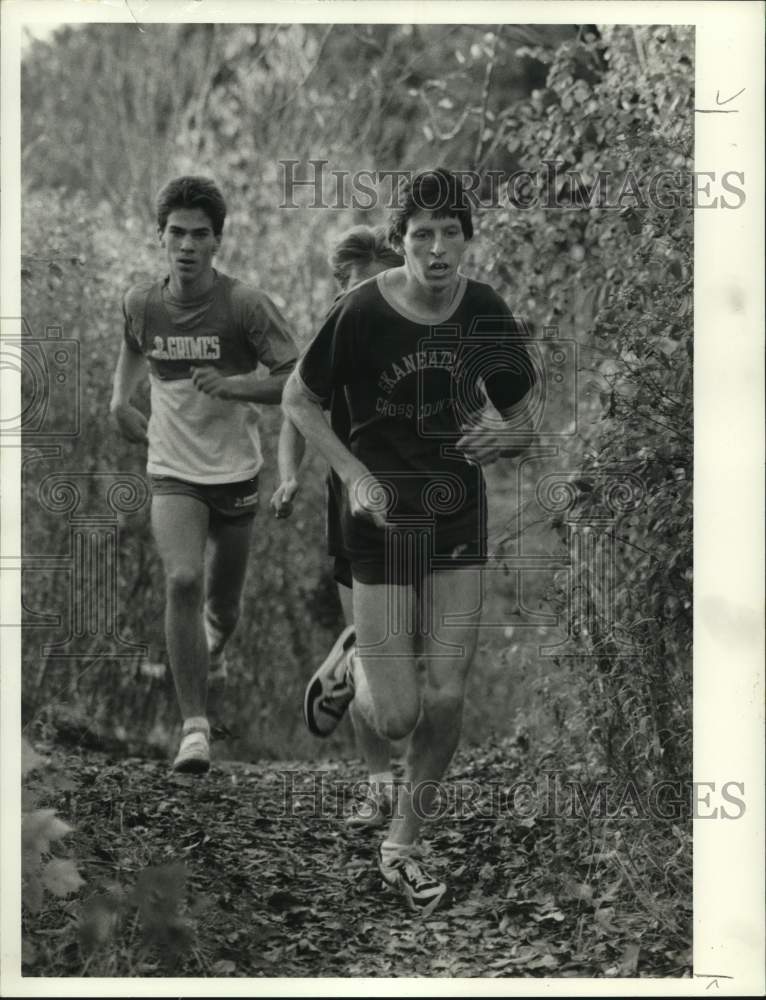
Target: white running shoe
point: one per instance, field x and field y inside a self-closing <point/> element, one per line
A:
<point x="193" y="755"/>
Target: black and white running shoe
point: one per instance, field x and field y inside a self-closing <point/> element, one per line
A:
<point x="331" y="689"/>
<point x="404" y="873"/>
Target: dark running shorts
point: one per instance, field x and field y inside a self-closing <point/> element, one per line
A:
<point x="341" y="572"/>
<point x="234" y="502"/>
<point x="411" y="570"/>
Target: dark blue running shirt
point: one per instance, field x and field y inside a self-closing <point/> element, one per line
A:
<point x="408" y="388"/>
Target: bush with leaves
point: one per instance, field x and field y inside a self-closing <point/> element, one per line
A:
<point x="43" y="869"/>
<point x="105" y="919"/>
<point x="618" y="279"/>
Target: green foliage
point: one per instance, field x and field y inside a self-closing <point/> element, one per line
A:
<point x="157" y="903"/>
<point x="59" y="876"/>
<point x="41" y="870"/>
<point x="619" y="279"/>
<point x="233" y="99"/>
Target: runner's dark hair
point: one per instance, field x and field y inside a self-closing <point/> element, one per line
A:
<point x="436" y="190"/>
<point x="192" y="192"/>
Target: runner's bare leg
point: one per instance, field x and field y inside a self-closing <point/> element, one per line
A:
<point x="375" y="749"/>
<point x="226" y="559"/>
<point x="448" y="650"/>
<point x="347" y="603"/>
<point x="387" y="694"/>
<point x="180" y="526"/>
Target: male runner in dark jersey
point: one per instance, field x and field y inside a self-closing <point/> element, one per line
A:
<point x="407" y="349"/>
<point x="202" y="336"/>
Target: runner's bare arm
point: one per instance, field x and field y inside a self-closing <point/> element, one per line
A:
<point x="248" y="387"/>
<point x="306" y="413"/>
<point x="290" y="452"/>
<point x="130" y="371"/>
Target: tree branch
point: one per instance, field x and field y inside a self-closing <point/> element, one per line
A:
<point x="488" y="74"/>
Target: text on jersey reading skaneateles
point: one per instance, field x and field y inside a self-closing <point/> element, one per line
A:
<point x="414" y="362"/>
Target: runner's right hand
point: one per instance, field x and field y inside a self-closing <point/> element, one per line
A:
<point x="130" y="422"/>
<point x="282" y="499"/>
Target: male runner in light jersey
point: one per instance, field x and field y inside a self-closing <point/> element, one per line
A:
<point x="202" y="336"/>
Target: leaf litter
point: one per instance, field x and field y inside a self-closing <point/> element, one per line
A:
<point x="218" y="876"/>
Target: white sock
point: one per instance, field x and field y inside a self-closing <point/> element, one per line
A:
<point x="390" y="850"/>
<point x="196" y="722"/>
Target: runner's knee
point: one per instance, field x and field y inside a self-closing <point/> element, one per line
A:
<point x="393" y="695"/>
<point x="396" y="714"/>
<point x="396" y="722"/>
<point x="185" y="583"/>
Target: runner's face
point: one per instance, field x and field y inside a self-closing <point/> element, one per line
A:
<point x="190" y="244"/>
<point x="433" y="249"/>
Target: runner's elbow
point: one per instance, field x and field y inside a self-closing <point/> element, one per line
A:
<point x="295" y="403"/>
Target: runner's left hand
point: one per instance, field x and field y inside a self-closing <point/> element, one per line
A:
<point x="282" y="499"/>
<point x="210" y="381"/>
